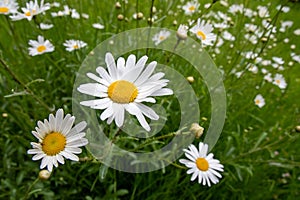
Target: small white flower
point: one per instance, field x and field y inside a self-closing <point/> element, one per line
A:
<point x="45" y="26"/>
<point x="228" y="36"/>
<point x="72" y="45"/>
<point x="57" y="140"/>
<point x="235" y="8"/>
<point x="31" y="9"/>
<point x="40" y="46"/>
<point x="75" y="14"/>
<point x="190" y="7"/>
<point x="203" y="31"/>
<point x="279" y="81"/>
<point x="268" y="77"/>
<point x="284" y="9"/>
<point x="161" y="36"/>
<point x="263" y="11"/>
<point x="278" y="60"/>
<point x="259" y="100"/>
<point x="201" y="165"/>
<point x="8" y="7"/>
<point x="124" y="86"/>
<point x="295" y="57"/>
<point x="98" y="26"/>
<point x="297" y="31"/>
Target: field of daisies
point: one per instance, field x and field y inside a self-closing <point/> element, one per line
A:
<point x="150" y="99"/>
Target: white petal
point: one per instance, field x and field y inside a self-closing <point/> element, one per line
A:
<point x="146" y="74"/>
<point x="69" y="155"/>
<point x="103" y="73"/>
<point x="148" y="112"/>
<point x="130" y="61"/>
<point x="60" y="159"/>
<point x="38" y="156"/>
<point x="97" y="103"/>
<point x="68" y="125"/>
<point x="119" y="115"/>
<point x="98" y="79"/>
<point x="77" y="128"/>
<point x="162" y="92"/>
<point x="107" y="113"/>
<point x="75" y="150"/>
<point x="59" y="119"/>
<point x="111" y="65"/>
<point x="93" y="89"/>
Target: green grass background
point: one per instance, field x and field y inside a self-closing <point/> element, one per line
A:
<point x="246" y="147"/>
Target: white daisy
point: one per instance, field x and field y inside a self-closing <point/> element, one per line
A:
<point x="201" y="165"/>
<point x="161" y="36"/>
<point x="31" y="9"/>
<point x="8" y="7"/>
<point x="279" y="81"/>
<point x="45" y="26"/>
<point x="125" y="86"/>
<point x="203" y="31"/>
<point x="259" y="100"/>
<point x="98" y="26"/>
<point x="57" y="140"/>
<point x="268" y="77"/>
<point x="190" y="7"/>
<point x="72" y="45"/>
<point x="40" y="46"/>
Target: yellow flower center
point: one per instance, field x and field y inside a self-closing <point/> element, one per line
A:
<point x="4" y="10"/>
<point x="75" y="46"/>
<point x="162" y="37"/>
<point x="201" y="34"/>
<point x="277" y="81"/>
<point x="122" y="91"/>
<point x="257" y="101"/>
<point x="53" y="143"/>
<point x="202" y="164"/>
<point x="28" y="13"/>
<point x="192" y="8"/>
<point x="41" y="48"/>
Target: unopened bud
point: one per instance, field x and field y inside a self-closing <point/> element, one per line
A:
<point x="298" y="128"/>
<point x="197" y="130"/>
<point x="190" y="79"/>
<point x="118" y="5"/>
<point x="120" y="17"/>
<point x="44" y="174"/>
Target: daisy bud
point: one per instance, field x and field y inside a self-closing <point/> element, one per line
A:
<point x="190" y="79"/>
<point x="120" y="17"/>
<point x="154" y="9"/>
<point x="264" y="39"/>
<point x="118" y="5"/>
<point x="298" y="128"/>
<point x="197" y="130"/>
<point x="4" y="115"/>
<point x="182" y="32"/>
<point x="139" y="15"/>
<point x="44" y="174"/>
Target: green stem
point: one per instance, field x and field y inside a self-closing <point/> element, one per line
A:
<point x="25" y="86"/>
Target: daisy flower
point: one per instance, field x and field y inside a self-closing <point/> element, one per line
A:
<point x="8" y="7"/>
<point x="40" y="46"/>
<point x="124" y="86"/>
<point x="259" y="100"/>
<point x="57" y="140"/>
<point x="72" y="45"/>
<point x="203" y="31"/>
<point x="46" y="26"/>
<point x="190" y="7"/>
<point x="279" y="81"/>
<point x="31" y="9"/>
<point x="161" y="36"/>
<point x="201" y="165"/>
<point x="98" y="26"/>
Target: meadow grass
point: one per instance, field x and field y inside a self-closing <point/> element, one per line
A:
<point x="258" y="146"/>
